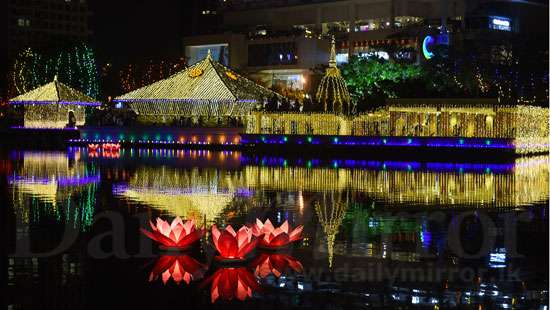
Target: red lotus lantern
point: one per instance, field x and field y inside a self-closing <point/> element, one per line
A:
<point x="177" y="268"/>
<point x="231" y="283"/>
<point x="176" y="235"/>
<point x="233" y="245"/>
<point x="93" y="147"/>
<point x="276" y="237"/>
<point x="275" y="264"/>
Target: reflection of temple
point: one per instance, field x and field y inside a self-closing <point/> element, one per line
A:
<point x="196" y="193"/>
<point x="61" y="182"/>
<point x="330" y="211"/>
<point x="524" y="182"/>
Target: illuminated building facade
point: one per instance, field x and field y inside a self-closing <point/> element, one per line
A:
<point x="54" y="105"/>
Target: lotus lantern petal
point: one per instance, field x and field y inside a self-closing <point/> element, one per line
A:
<point x="178" y="268"/>
<point x="275" y="264"/>
<point x="231" y="244"/>
<point x="177" y="235"/>
<point x="276" y="237"/>
<point x="232" y="283"/>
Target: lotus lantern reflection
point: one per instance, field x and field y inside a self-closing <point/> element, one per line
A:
<point x="176" y="235"/>
<point x="276" y="237"/>
<point x="232" y="283"/>
<point x="178" y="268"/>
<point x="275" y="264"/>
<point x="233" y="245"/>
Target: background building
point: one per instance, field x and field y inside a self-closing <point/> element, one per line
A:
<point x="46" y="23"/>
<point x="282" y="42"/>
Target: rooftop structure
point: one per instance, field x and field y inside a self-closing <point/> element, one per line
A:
<point x="206" y="89"/>
<point x="54" y="105"/>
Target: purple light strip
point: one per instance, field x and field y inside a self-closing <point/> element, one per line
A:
<point x="45" y="128"/>
<point x="92" y="104"/>
<point x="74" y="181"/>
<point x="186" y="100"/>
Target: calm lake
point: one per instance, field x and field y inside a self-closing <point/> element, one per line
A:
<point x="377" y="234"/>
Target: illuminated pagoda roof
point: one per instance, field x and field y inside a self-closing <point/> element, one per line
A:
<point x="205" y="80"/>
<point x="332" y="92"/>
<point x="54" y="92"/>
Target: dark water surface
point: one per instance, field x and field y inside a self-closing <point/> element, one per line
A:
<point x="377" y="234"/>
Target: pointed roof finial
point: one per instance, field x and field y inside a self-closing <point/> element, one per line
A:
<point x="55" y="78"/>
<point x="332" y="59"/>
<point x="209" y="55"/>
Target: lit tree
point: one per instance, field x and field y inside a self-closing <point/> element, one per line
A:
<point x="74" y="66"/>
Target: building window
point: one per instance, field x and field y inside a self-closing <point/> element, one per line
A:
<point x="23" y="22"/>
<point x="272" y="54"/>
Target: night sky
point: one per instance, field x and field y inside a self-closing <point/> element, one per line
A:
<point x="137" y="30"/>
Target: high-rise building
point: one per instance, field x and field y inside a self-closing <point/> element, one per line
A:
<point x="46" y="24"/>
<point x="280" y="41"/>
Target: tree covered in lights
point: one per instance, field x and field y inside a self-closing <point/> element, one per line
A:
<point x="75" y="66"/>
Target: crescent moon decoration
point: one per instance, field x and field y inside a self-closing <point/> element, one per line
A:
<point x="428" y="40"/>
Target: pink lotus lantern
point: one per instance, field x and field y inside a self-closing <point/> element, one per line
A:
<point x="177" y="235"/>
<point x="231" y="283"/>
<point x="177" y="268"/>
<point x="93" y="147"/>
<point x="275" y="264"/>
<point x="274" y="238"/>
<point x="233" y="245"/>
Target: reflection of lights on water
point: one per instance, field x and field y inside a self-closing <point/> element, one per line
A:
<point x="300" y="201"/>
<point x="300" y="286"/>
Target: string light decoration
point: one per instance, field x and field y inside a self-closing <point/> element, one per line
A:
<point x="331" y="211"/>
<point x="54" y="105"/>
<point x="75" y="66"/>
<point x="210" y="94"/>
<point x="332" y="92"/>
<point x="526" y="125"/>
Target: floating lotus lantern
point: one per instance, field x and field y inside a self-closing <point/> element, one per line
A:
<point x="93" y="147"/>
<point x="275" y="264"/>
<point x="274" y="238"/>
<point x="231" y="283"/>
<point x="176" y="236"/>
<point x="233" y="245"/>
<point x="177" y="268"/>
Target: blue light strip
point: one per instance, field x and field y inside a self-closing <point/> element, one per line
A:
<point x="431" y="142"/>
<point x="497" y="168"/>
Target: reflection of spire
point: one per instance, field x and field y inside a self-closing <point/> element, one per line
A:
<point x="330" y="216"/>
<point x="332" y="59"/>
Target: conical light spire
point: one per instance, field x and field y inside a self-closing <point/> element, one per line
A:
<point x="209" y="55"/>
<point x="332" y="59"/>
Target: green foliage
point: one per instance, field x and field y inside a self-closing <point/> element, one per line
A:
<point x="371" y="80"/>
